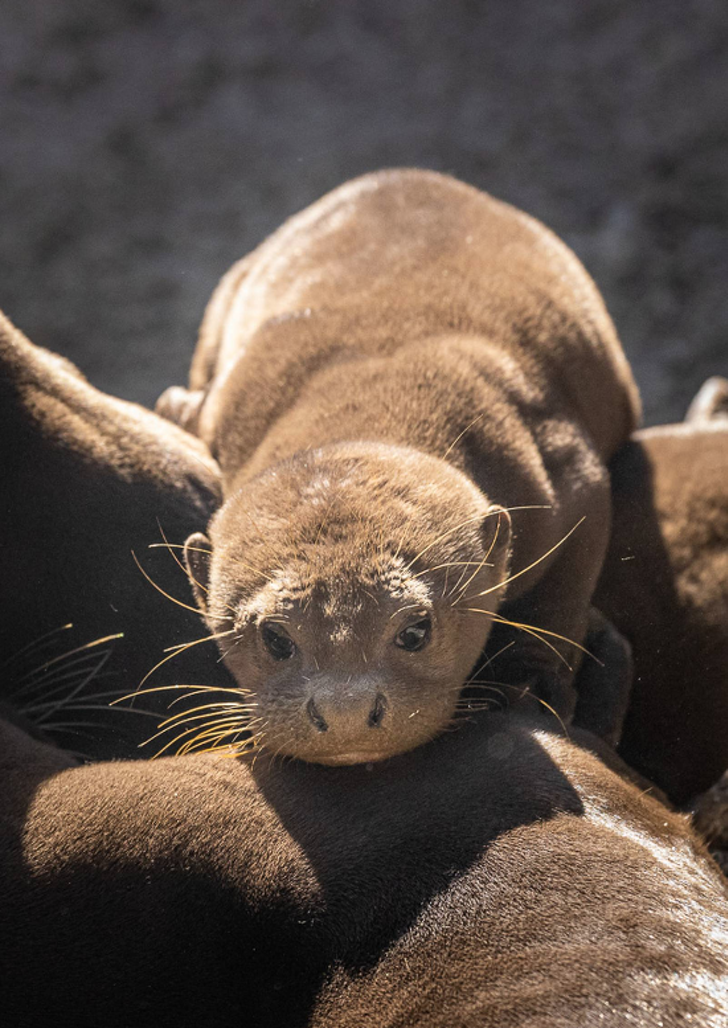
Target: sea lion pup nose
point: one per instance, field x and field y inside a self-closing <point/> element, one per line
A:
<point x="410" y="311"/>
<point x="347" y="635"/>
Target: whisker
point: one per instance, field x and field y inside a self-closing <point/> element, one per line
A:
<point x="46" y="685"/>
<point x="181" y="648"/>
<point x="191" y="690"/>
<point x="480" y="517"/>
<point x="481" y="565"/>
<point x="186" y="715"/>
<point x="449" y="564"/>
<point x="194" y="642"/>
<point x="242" y="721"/>
<point x="64" y="700"/>
<point x="457" y="438"/>
<point x="532" y="565"/>
<point x="71" y="653"/>
<point x="35" y="643"/>
<point x="172" y="599"/>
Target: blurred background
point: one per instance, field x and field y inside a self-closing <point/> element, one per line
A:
<point x="147" y="144"/>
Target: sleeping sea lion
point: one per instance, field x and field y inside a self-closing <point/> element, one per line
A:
<point x="412" y="390"/>
<point x="86" y="480"/>
<point x="665" y="586"/>
<point x="499" y="876"/>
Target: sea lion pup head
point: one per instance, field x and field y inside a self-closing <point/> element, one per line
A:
<point x="347" y="582"/>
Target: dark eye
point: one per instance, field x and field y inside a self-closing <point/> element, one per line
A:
<point x="279" y="645"/>
<point x="415" y="636"/>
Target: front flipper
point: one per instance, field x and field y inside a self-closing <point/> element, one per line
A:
<point x="181" y="406"/>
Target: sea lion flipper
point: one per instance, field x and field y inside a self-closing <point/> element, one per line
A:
<point x="603" y="684"/>
<point x="181" y="406"/>
<point x="710" y="401"/>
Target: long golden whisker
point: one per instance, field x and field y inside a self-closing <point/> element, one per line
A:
<point x="211" y="688"/>
<point x="48" y="684"/>
<point x="67" y="692"/>
<point x="216" y="730"/>
<point x="495" y="655"/>
<point x="218" y="742"/>
<point x="177" y="650"/>
<point x="541" y="631"/>
<point x="35" y="643"/>
<point x="480" y="566"/>
<point x="186" y="714"/>
<point x="407" y="606"/>
<point x="201" y="549"/>
<point x="101" y="706"/>
<point x="232" y="749"/>
<point x="533" y="564"/>
<point x="171" y="549"/>
<point x="190" y="691"/>
<point x="444" y="535"/>
<point x="449" y="564"/>
<point x="203" y="638"/>
<point x="478" y="517"/>
<point x="71" y="653"/>
<point x="70" y="725"/>
<point x="528" y="629"/>
<point x="172" y="599"/>
<point x="457" y="438"/>
<point x="182" y="735"/>
<point x="243" y="720"/>
<point x="36" y="705"/>
<point x="64" y="701"/>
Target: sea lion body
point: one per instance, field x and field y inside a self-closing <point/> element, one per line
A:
<point x="665" y="586"/>
<point x="499" y="876"/>
<point x="86" y="480"/>
<point x="381" y="380"/>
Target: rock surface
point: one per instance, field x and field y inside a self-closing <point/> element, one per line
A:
<point x="146" y="144"/>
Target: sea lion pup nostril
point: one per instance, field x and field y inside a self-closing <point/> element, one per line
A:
<point x="389" y="379"/>
<point x="378" y="711"/>
<point x="316" y="719"/>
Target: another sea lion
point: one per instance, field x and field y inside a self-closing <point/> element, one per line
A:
<point x="86" y="480"/>
<point x="498" y="876"/>
<point x="665" y="586"/>
<point x="386" y="382"/>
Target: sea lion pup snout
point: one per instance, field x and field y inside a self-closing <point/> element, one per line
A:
<point x="337" y="607"/>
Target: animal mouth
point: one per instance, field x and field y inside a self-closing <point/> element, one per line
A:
<point x="351" y="757"/>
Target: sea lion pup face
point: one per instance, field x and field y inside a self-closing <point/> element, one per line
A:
<point x="346" y="581"/>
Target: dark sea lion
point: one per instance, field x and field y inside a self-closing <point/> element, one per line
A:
<point x="387" y="382"/>
<point x="86" y="479"/>
<point x="665" y="586"/>
<point x="498" y="876"/>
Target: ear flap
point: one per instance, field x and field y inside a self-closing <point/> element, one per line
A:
<point x="197" y="556"/>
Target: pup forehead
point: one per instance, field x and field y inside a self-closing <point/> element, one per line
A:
<point x="341" y="594"/>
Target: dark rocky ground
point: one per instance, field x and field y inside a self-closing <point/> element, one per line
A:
<point x="146" y="144"/>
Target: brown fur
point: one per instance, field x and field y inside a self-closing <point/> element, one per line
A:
<point x="665" y="586"/>
<point x="500" y="876"/>
<point x="381" y="380"/>
<point x="87" y="479"/>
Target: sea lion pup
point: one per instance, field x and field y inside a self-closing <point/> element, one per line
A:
<point x="665" y="586"/>
<point x="499" y="876"/>
<point x="386" y="382"/>
<point x="87" y="479"/>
